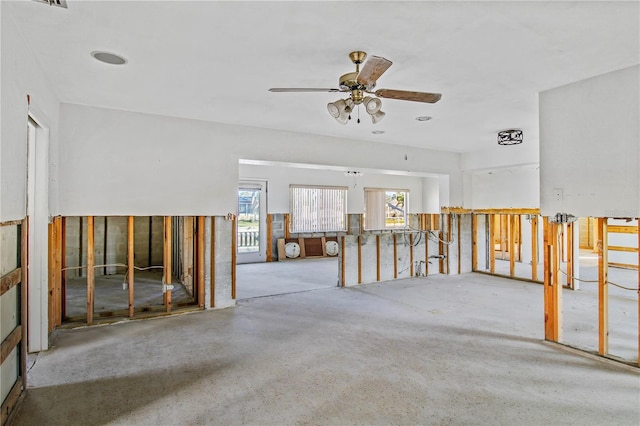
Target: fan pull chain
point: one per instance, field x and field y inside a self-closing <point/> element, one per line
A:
<point x="358" y="114"/>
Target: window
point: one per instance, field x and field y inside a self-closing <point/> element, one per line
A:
<point x="318" y="208"/>
<point x="385" y="208"/>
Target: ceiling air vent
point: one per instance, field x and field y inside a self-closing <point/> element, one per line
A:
<point x="59" y="3"/>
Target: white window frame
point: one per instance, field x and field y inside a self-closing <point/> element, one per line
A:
<point x="306" y="216"/>
<point x="380" y="218"/>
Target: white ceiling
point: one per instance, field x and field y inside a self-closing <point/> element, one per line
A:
<point x="215" y="61"/>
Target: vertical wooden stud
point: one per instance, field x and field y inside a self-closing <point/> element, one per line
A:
<point x="90" y="269"/>
<point x="167" y="261"/>
<point x="201" y="262"/>
<point x="534" y="248"/>
<point x="234" y="248"/>
<point x="131" y="263"/>
<point x="269" y="248"/>
<point x="548" y="314"/>
<point x="474" y="242"/>
<point x="426" y="254"/>
<point x="395" y="255"/>
<point x="411" y="255"/>
<point x="459" y="221"/>
<point x="638" y="292"/>
<point x="104" y="246"/>
<point x="51" y="280"/>
<point x="449" y="237"/>
<point x="213" y="262"/>
<point x="24" y="283"/>
<point x="63" y="265"/>
<point x="512" y="245"/>
<point x="570" y="256"/>
<point x="378" y="257"/>
<point x="359" y="259"/>
<point x="342" y="261"/>
<point x="492" y="246"/>
<point x="150" y="245"/>
<point x="287" y="225"/>
<point x="603" y="287"/>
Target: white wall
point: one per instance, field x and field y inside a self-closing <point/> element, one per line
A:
<point x="117" y="162"/>
<point x="507" y="187"/>
<point x="503" y="176"/>
<point x="590" y="146"/>
<point x="279" y="179"/>
<point x="21" y="76"/>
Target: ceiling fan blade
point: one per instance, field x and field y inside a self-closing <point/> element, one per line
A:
<point x="372" y="70"/>
<point x="405" y="95"/>
<point x="301" y="89"/>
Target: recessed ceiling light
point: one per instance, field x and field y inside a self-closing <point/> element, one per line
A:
<point x="424" y="118"/>
<point x="109" y="58"/>
<point x="377" y="132"/>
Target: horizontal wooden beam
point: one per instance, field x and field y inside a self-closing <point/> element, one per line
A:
<point x="11" y="223"/>
<point x="10" y="280"/>
<point x="10" y="343"/>
<point x="621" y="248"/>
<point x="622" y="229"/>
<point x="11" y="400"/>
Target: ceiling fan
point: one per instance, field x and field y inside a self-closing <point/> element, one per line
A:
<point x="360" y="82"/>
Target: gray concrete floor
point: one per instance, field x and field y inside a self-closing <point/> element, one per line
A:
<point x="442" y="350"/>
<point x="110" y="295"/>
<point x="287" y="276"/>
<point x="580" y="307"/>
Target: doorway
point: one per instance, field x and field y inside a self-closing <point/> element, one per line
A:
<point x="251" y="230"/>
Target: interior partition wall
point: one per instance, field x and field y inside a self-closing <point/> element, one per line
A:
<point x="124" y="267"/>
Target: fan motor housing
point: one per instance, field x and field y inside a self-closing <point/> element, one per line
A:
<point x="349" y="82"/>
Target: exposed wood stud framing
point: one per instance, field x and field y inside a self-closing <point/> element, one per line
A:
<point x="24" y="256"/>
<point x="474" y="242"/>
<point x="287" y="224"/>
<point x="426" y="256"/>
<point x="10" y="280"/>
<point x="213" y="262"/>
<point x="167" y="262"/>
<point x="395" y="256"/>
<point x="638" y="292"/>
<point x="570" y="257"/>
<point x="492" y="247"/>
<point x="269" y="247"/>
<point x="104" y="245"/>
<point x="63" y="273"/>
<point x="200" y="260"/>
<point x="11" y="400"/>
<point x="411" y="255"/>
<point x="557" y="284"/>
<point x="234" y="248"/>
<point x="378" y="258"/>
<point x="342" y="261"/>
<point x="548" y="314"/>
<point x="10" y="343"/>
<point x="359" y="259"/>
<point x="130" y="263"/>
<point x="512" y="245"/>
<point x="449" y="237"/>
<point x="459" y="221"/>
<point x="603" y="287"/>
<point x="90" y="269"/>
<point x="534" y="248"/>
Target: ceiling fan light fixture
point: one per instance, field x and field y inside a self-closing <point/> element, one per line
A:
<point x="377" y="117"/>
<point x="372" y="105"/>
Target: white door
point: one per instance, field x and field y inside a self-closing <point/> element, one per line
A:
<point x="251" y="239"/>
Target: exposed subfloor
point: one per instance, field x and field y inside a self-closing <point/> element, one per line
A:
<point x="439" y="350"/>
